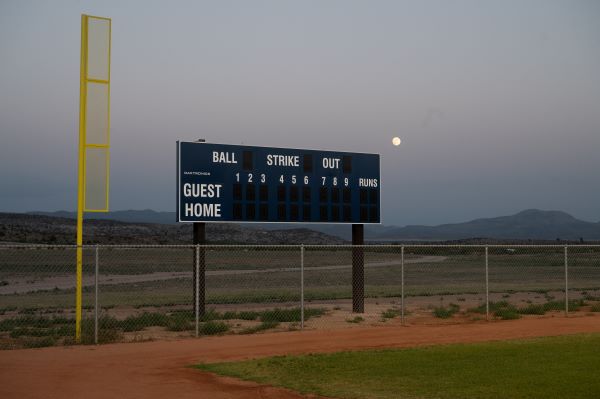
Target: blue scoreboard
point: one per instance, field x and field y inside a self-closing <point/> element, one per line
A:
<point x="233" y="183"/>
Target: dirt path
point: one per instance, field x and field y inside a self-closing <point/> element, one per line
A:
<point x="158" y="369"/>
<point x="64" y="282"/>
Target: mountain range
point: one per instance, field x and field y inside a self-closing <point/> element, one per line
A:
<point x="531" y="224"/>
<point x="49" y="229"/>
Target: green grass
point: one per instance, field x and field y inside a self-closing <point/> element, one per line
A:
<point x="558" y="367"/>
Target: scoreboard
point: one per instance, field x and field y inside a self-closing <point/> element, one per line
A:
<point x="233" y="183"/>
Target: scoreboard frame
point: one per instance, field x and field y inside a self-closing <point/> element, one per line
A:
<point x="314" y="200"/>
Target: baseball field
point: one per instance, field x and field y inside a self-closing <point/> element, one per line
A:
<point x="541" y="357"/>
<point x="441" y="322"/>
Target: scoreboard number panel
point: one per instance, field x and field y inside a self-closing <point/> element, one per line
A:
<point x="233" y="183"/>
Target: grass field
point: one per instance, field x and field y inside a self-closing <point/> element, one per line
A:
<point x="558" y="367"/>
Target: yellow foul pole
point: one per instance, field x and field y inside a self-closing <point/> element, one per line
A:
<point x="94" y="133"/>
<point x="81" y="173"/>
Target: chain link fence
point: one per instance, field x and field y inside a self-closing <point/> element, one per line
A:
<point x="139" y="293"/>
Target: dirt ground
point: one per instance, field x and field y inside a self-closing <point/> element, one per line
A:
<point x="159" y="369"/>
<point x="20" y="285"/>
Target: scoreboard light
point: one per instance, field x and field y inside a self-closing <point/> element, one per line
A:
<point x="233" y="183"/>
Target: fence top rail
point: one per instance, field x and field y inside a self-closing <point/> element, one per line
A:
<point x="290" y="246"/>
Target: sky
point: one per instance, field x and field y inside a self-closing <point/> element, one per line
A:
<point x="497" y="103"/>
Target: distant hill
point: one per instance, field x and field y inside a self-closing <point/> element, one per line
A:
<point x="149" y="216"/>
<point x="42" y="229"/>
<point x="132" y="216"/>
<point x="529" y="224"/>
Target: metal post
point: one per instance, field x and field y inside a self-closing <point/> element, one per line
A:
<point x="402" y="284"/>
<point x="487" y="286"/>
<point x="199" y="273"/>
<point x="566" y="282"/>
<point x="96" y="310"/>
<point x="302" y="286"/>
<point x="358" y="268"/>
<point x="197" y="290"/>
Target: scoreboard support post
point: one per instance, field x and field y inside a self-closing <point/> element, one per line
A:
<point x="358" y="268"/>
<point x="199" y="274"/>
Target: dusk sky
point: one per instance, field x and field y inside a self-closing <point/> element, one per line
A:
<point x="497" y="103"/>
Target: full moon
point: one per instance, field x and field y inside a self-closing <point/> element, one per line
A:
<point x="396" y="141"/>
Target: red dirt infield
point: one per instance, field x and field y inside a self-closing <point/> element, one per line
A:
<point x="159" y="369"/>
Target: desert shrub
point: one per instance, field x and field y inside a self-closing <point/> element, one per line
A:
<point x="265" y="325"/>
<point x="180" y="322"/>
<point x="289" y="315"/>
<point x="533" y="309"/>
<point x="213" y="328"/>
<point x="108" y="331"/>
<point x="209" y="315"/>
<point x="38" y="342"/>
<point x="244" y="315"/>
<point x="501" y="309"/>
<point x="146" y="319"/>
<point x="247" y="315"/>
<point x="574" y="305"/>
<point x="445" y="313"/>
<point x="356" y="320"/>
<point x="390" y="313"/>
<point x="493" y="307"/>
<point x="508" y="313"/>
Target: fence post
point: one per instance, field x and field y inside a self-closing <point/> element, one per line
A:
<point x="197" y="290"/>
<point x="566" y="282"/>
<point x="402" y="285"/>
<point x="302" y="286"/>
<point x="487" y="286"/>
<point x="96" y="298"/>
<point x="199" y="238"/>
<point x="358" y="268"/>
